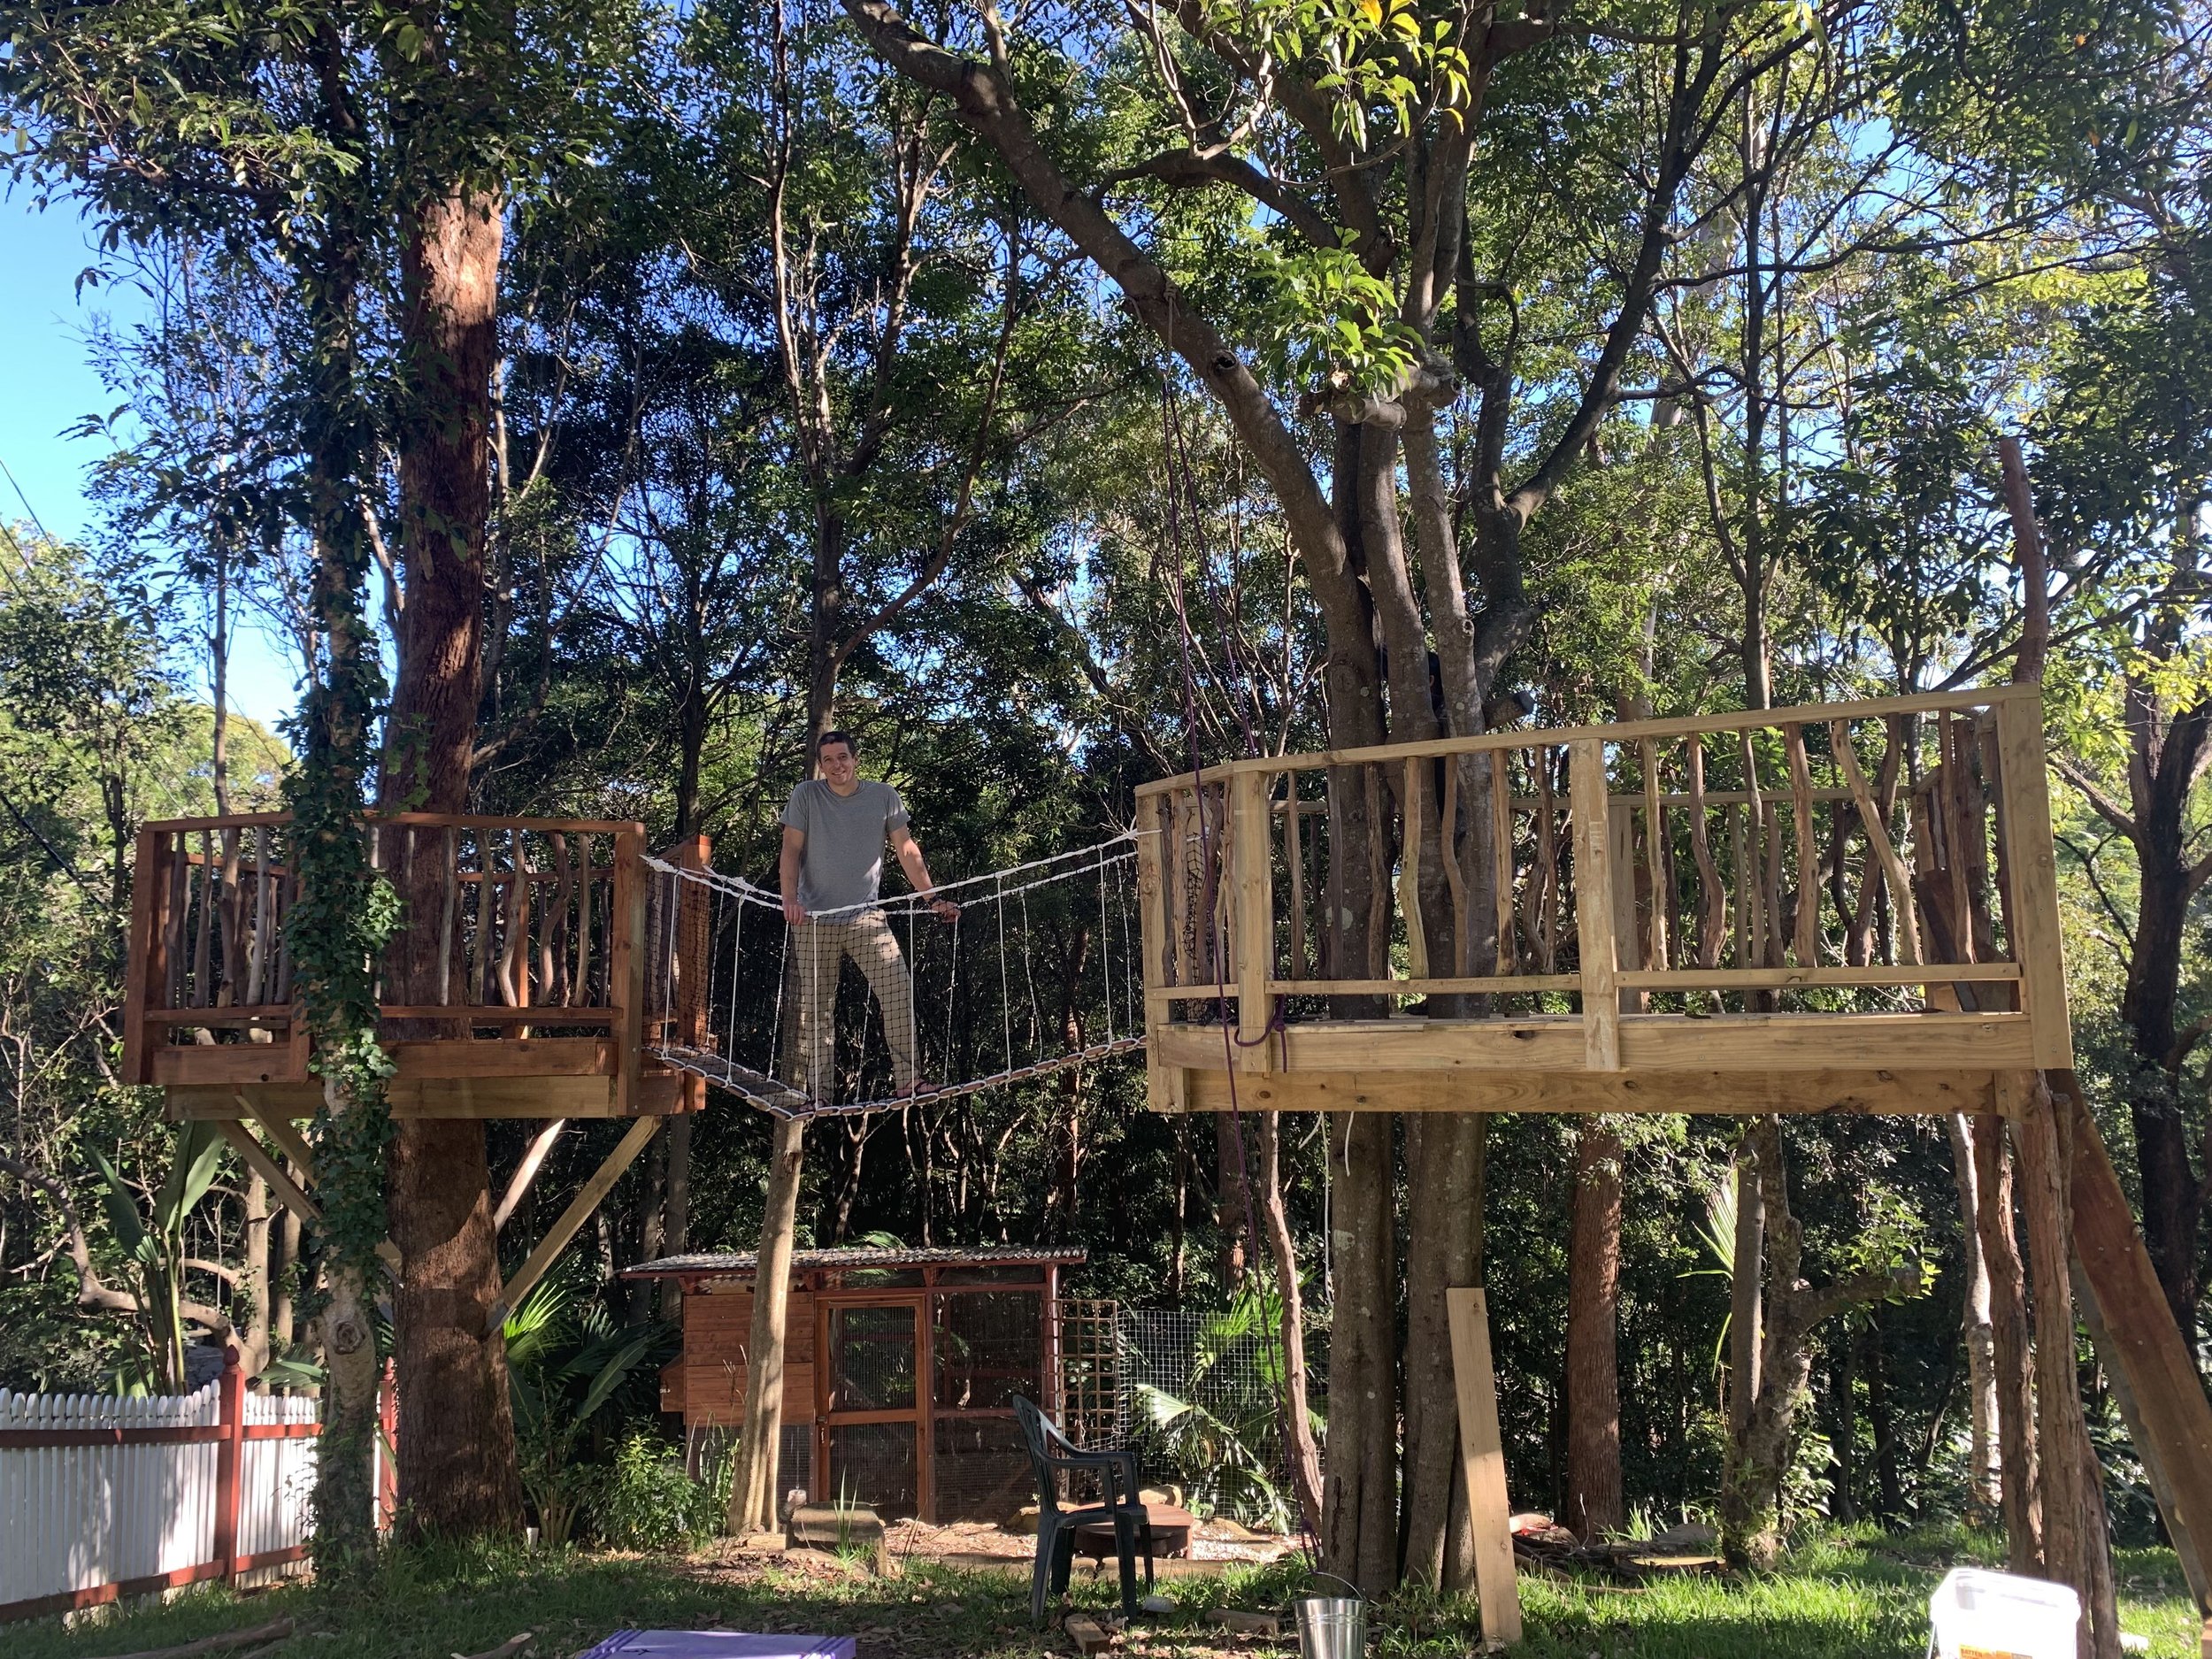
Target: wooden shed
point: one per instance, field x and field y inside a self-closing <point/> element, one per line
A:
<point x="900" y="1367"/>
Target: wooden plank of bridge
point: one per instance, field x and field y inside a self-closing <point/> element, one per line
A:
<point x="1594" y="904"/>
<point x="1482" y="1465"/>
<point x="2031" y="865"/>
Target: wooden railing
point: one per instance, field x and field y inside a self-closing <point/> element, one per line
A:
<point x="1870" y="859"/>
<point x="524" y="939"/>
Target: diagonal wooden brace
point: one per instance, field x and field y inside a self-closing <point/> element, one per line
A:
<point x="573" y="1217"/>
<point x="289" y="1193"/>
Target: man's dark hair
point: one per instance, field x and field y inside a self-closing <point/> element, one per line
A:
<point x="835" y="736"/>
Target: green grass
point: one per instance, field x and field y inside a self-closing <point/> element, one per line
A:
<point x="1859" y="1595"/>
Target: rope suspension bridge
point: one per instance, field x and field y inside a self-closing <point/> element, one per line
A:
<point x="992" y="981"/>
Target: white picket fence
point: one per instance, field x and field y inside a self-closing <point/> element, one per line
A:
<point x="103" y="1498"/>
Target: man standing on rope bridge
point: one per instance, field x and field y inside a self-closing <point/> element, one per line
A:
<point x="830" y="872"/>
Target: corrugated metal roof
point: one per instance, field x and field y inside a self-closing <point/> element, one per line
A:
<point x="732" y="1264"/>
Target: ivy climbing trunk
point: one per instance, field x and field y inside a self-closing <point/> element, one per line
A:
<point x="458" y="1471"/>
<point x="333" y="927"/>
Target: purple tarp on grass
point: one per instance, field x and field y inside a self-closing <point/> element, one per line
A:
<point x="717" y="1644"/>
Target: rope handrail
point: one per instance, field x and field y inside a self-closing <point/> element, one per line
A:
<point x="1033" y="972"/>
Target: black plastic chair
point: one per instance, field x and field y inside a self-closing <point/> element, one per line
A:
<point x="1051" y="1454"/>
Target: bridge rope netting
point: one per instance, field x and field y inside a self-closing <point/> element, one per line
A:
<point x="987" y="982"/>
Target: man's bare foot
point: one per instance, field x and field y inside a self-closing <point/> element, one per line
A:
<point x="920" y="1086"/>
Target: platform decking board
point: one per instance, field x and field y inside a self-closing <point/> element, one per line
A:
<point x="1668" y="1042"/>
<point x="1695" y="1093"/>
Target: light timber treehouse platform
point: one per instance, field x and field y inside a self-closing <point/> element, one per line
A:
<point x="1849" y="907"/>
<point x="530" y="977"/>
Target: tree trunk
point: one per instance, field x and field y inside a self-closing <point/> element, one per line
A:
<point x="457" y="1472"/>
<point x="1302" y="1452"/>
<point x="1232" y="1203"/>
<point x="1843" y="1389"/>
<point x="1889" y="1493"/>
<point x="345" y="1532"/>
<point x="1444" y="1165"/>
<point x="285" y="1267"/>
<point x="753" y="1493"/>
<point x="676" y="1238"/>
<point x="2017" y="1485"/>
<point x="1982" y="1474"/>
<point x="1594" y="1504"/>
<point x="252" y="1286"/>
<point x="1359" y="1499"/>
<point x="1751" y="1518"/>
<point x="2172" y="1204"/>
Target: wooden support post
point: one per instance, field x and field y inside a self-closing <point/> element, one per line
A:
<point x="573" y="1217"/>
<point x="1482" y="1464"/>
<point x="625" y="977"/>
<point x="1805" y="941"/>
<point x="1654" y="857"/>
<point x="290" y="1142"/>
<point x="2075" y="1550"/>
<point x="144" y="973"/>
<point x="2145" y="1346"/>
<point x="2032" y="867"/>
<point x="1594" y="905"/>
<point x="1152" y="916"/>
<point x="1250" y="850"/>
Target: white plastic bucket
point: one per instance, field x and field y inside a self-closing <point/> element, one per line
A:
<point x="1980" y="1615"/>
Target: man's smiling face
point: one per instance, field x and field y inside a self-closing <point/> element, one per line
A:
<point x="839" y="769"/>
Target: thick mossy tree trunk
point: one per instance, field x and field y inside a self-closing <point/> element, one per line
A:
<point x="458" y="1469"/>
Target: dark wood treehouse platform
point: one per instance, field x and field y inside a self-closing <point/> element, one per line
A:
<point x="536" y="977"/>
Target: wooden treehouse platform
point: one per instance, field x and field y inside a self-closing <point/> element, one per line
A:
<point x="532" y="975"/>
<point x="1844" y="908"/>
<point x="536" y="967"/>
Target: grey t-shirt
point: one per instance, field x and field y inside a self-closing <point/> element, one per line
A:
<point x="842" y="864"/>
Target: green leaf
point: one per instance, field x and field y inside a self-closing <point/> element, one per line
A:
<point x="121" y="1205"/>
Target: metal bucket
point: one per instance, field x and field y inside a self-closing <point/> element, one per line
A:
<point x="1331" y="1628"/>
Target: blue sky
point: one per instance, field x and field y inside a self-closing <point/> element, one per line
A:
<point x="47" y="386"/>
